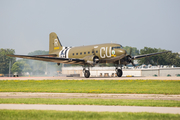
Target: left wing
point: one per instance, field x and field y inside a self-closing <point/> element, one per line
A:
<point x="52" y="59"/>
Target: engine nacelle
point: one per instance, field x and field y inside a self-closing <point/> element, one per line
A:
<point x="91" y="59"/>
<point x="126" y="60"/>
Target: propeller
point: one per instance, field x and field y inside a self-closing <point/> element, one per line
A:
<point x="95" y="59"/>
<point x="130" y="58"/>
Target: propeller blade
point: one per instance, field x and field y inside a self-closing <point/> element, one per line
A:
<point x="133" y="64"/>
<point x="96" y="59"/>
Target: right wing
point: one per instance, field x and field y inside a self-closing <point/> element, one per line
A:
<point x="147" y="55"/>
<point x="52" y="59"/>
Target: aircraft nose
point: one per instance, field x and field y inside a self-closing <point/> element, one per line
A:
<point x="123" y="52"/>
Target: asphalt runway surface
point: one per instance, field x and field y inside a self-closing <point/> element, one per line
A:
<point x="93" y="108"/>
<point x="91" y="78"/>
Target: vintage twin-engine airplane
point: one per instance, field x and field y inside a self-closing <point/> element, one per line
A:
<point x="87" y="55"/>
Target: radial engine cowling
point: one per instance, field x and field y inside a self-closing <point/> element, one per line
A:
<point x="91" y="59"/>
<point x="127" y="59"/>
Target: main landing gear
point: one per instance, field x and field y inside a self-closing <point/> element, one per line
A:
<point x="86" y="72"/>
<point x="119" y="71"/>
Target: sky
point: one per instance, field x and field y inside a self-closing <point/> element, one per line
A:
<point x="25" y="25"/>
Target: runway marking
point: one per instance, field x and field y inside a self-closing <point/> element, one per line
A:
<point x="94" y="108"/>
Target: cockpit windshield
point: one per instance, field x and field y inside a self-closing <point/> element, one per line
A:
<point x="117" y="47"/>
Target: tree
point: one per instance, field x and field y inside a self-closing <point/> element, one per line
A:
<point x="4" y="60"/>
<point x="16" y="68"/>
<point x="134" y="51"/>
<point x="20" y="66"/>
<point x="161" y="59"/>
<point x="39" y="52"/>
<point x="148" y="60"/>
<point x="169" y="59"/>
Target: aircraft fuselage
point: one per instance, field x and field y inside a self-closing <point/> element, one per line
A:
<point x="103" y="51"/>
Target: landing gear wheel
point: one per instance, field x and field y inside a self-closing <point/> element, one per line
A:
<point x="86" y="73"/>
<point x="119" y="72"/>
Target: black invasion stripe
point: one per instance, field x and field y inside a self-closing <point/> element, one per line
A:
<point x="66" y="52"/>
<point x="62" y="53"/>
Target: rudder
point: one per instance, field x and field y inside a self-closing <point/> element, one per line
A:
<point x="54" y="43"/>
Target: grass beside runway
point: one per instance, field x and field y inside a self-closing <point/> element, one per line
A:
<point x="75" y="115"/>
<point x="92" y="86"/>
<point x="89" y="101"/>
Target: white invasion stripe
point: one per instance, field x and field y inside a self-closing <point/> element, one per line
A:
<point x="67" y="53"/>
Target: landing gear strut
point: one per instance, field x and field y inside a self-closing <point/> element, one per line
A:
<point x="86" y="72"/>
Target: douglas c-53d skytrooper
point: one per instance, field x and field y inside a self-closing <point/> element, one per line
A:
<point x="87" y="55"/>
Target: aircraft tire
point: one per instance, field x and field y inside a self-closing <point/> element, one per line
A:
<point x="86" y="74"/>
<point x="119" y="73"/>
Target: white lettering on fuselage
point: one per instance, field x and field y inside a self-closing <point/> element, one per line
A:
<point x="105" y="54"/>
<point x="102" y="48"/>
<point x="109" y="51"/>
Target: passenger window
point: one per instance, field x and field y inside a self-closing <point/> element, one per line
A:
<point x="96" y="51"/>
<point x="73" y="54"/>
<point x="81" y="53"/>
<point x="88" y="52"/>
<point x="76" y="53"/>
<point x="84" y="52"/>
<point x="92" y="51"/>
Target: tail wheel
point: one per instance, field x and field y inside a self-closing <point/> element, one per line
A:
<point x="119" y="73"/>
<point x="87" y="73"/>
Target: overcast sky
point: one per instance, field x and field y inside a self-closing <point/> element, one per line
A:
<point x="25" y="24"/>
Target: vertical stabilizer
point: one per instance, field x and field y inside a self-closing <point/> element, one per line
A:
<point x="54" y="44"/>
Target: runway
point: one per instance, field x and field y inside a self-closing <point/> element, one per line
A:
<point x="93" y="108"/>
<point x="91" y="78"/>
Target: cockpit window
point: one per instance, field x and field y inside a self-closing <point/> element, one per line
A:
<point x="117" y="47"/>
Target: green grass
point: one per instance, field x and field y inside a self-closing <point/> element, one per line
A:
<point x="88" y="101"/>
<point x="92" y="86"/>
<point x="75" y="115"/>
